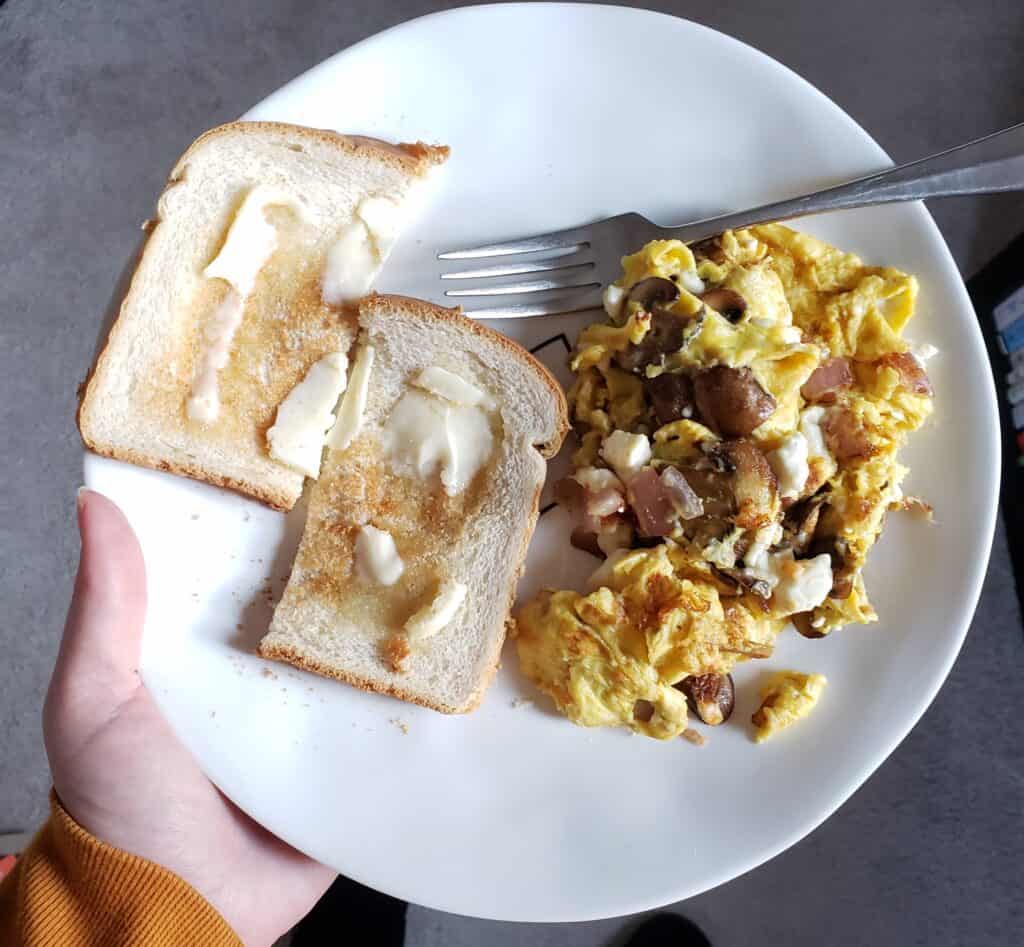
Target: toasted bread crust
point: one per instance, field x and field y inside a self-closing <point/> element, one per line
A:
<point x="411" y="159"/>
<point x="379" y="308"/>
<point x="275" y="499"/>
<point x="546" y="450"/>
<point x="429" y="311"/>
<point x="294" y="657"/>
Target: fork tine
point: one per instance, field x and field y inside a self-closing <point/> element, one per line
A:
<point x="568" y="261"/>
<point x="575" y="238"/>
<point x="532" y="286"/>
<point x="575" y="301"/>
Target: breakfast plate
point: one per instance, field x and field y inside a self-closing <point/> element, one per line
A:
<point x="511" y="812"/>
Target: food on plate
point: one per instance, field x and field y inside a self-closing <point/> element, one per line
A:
<point x="231" y="345"/>
<point x="426" y="500"/>
<point x="739" y="414"/>
<point x="788" y="697"/>
<point x="247" y="354"/>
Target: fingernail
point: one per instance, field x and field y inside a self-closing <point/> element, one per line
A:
<point x="80" y="497"/>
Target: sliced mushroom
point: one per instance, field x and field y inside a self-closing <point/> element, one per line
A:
<point x="718" y="457"/>
<point x="801" y="521"/>
<point x="643" y="710"/>
<point x="714" y="489"/>
<point x="827" y="379"/>
<point x="804" y="623"/>
<point x="586" y="540"/>
<point x="731" y="400"/>
<point x="726" y="302"/>
<point x="570" y="493"/>
<point x="842" y="583"/>
<point x="709" y="249"/>
<point x="652" y="290"/>
<point x="711" y="697"/>
<point x="666" y="334"/>
<point x="670" y="396"/>
<point x="739" y="579"/>
<point x="753" y="481"/>
<point x="843" y="574"/>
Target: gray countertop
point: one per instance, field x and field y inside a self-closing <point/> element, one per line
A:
<point x="98" y="99"/>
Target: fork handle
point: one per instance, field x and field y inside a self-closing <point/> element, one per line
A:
<point x="987" y="165"/>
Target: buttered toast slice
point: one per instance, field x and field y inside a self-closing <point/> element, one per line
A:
<point x="263" y="234"/>
<point x="427" y="498"/>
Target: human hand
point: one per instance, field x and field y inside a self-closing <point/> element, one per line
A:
<point x="121" y="772"/>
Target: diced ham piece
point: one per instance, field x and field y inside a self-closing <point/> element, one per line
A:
<point x="911" y="372"/>
<point x="845" y="437"/>
<point x="592" y="494"/>
<point x="651" y="503"/>
<point x="604" y="502"/>
<point x="681" y="495"/>
<point x="827" y="379"/>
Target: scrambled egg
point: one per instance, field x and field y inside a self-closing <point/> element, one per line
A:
<point x="789" y="697"/>
<point x="656" y="619"/>
<point x="758" y="387"/>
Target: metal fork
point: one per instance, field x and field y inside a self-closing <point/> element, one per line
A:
<point x="568" y="269"/>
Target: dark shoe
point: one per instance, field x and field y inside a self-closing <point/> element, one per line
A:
<point x="668" y="930"/>
<point x="351" y="914"/>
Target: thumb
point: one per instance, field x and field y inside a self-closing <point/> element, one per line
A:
<point x="99" y="653"/>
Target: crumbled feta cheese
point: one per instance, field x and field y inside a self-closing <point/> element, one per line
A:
<point x="691" y="282"/>
<point x="612" y="299"/>
<point x="626" y="453"/>
<point x="799" y="585"/>
<point x="764" y="539"/>
<point x="722" y="552"/>
<point x="597" y="478"/>
<point x="789" y="461"/>
<point x="923" y="351"/>
<point x="810" y="427"/>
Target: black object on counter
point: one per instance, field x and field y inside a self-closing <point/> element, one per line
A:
<point x="997" y="292"/>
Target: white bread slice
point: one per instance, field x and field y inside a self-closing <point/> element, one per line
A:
<point x="134" y="403"/>
<point x="336" y="623"/>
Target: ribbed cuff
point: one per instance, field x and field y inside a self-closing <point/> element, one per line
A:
<point x="75" y="889"/>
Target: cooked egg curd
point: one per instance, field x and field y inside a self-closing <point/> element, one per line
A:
<point x="790" y="696"/>
<point x="739" y="415"/>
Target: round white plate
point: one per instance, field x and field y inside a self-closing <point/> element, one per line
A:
<point x="559" y="114"/>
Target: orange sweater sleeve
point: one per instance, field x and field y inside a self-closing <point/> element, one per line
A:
<point x="71" y="889"/>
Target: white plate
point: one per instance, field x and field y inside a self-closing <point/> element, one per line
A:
<point x="557" y="114"/>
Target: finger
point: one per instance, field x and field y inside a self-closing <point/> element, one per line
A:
<point x="7" y="863"/>
<point x="103" y="632"/>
